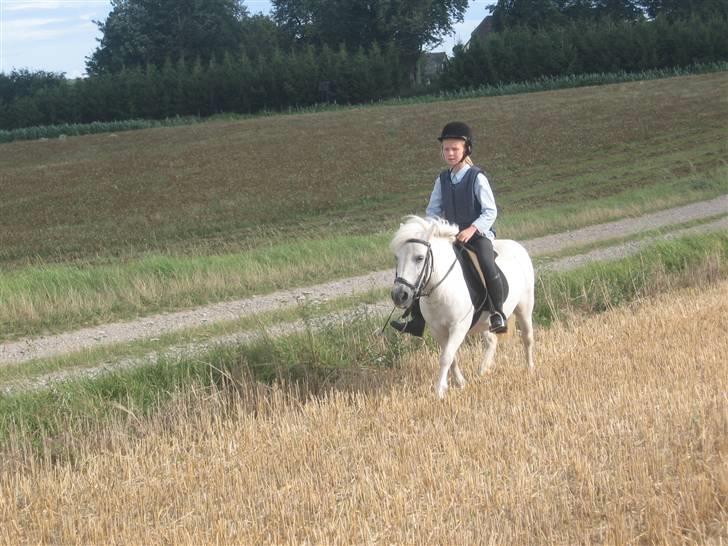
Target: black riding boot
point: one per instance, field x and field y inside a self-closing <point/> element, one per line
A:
<point x="415" y="325"/>
<point x="483" y="248"/>
<point x="498" y="323"/>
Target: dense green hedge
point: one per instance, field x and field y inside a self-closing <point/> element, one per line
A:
<point x="232" y="84"/>
<point x="522" y="53"/>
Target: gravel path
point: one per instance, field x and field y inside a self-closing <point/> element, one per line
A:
<point x="156" y="325"/>
<point x="190" y="350"/>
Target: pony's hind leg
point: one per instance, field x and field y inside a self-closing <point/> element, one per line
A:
<point x="525" y="325"/>
<point x="457" y="372"/>
<point x="491" y="344"/>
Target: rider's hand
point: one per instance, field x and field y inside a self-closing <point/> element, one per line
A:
<point x="465" y="235"/>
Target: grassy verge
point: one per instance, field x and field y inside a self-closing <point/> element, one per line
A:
<point x="56" y="298"/>
<point x="337" y="355"/>
<point x="186" y="340"/>
<point x="615" y="241"/>
<point x="314" y="361"/>
<point x="687" y="261"/>
<point x="593" y="208"/>
<point x="569" y="290"/>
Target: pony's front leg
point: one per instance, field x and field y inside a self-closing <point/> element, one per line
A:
<point x="446" y="358"/>
<point x="449" y="343"/>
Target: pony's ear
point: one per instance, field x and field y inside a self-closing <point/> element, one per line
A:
<point x="430" y="231"/>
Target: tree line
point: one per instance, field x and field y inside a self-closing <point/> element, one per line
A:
<point x="142" y="32"/>
<point x="546" y="13"/>
<point x="280" y="80"/>
<point x="585" y="47"/>
<point x="165" y="58"/>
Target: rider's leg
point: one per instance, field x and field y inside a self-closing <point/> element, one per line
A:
<point x="415" y="325"/>
<point x="483" y="247"/>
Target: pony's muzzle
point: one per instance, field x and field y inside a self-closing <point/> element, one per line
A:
<point x="401" y="296"/>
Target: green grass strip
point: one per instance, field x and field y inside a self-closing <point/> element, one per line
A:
<point x="54" y="298"/>
<point x="599" y="286"/>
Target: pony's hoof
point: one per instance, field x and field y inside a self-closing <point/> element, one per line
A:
<point x="441" y="392"/>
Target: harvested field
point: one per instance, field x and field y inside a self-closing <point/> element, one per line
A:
<point x="620" y="436"/>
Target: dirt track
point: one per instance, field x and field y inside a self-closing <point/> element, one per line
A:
<point x="156" y="325"/>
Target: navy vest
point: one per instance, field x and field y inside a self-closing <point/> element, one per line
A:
<point x="459" y="201"/>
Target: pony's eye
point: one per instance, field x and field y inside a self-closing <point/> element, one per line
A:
<point x="419" y="258"/>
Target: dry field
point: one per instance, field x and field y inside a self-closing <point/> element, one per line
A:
<point x="621" y="436"/>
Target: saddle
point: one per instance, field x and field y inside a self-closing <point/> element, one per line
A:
<point x="475" y="281"/>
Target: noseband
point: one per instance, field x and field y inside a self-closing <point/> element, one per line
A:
<point x="423" y="279"/>
<point x="425" y="273"/>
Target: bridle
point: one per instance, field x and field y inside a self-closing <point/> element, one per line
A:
<point x="423" y="279"/>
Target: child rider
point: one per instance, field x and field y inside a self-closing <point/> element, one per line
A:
<point x="462" y="195"/>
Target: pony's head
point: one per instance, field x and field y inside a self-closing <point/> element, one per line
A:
<point x="412" y="248"/>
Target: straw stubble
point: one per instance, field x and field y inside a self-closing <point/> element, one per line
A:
<point x="621" y="435"/>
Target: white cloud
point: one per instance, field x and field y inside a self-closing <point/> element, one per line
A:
<point x="25" y="5"/>
<point x="54" y="35"/>
<point x="42" y="28"/>
<point x="21" y="24"/>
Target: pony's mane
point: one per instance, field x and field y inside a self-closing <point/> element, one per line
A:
<point x="415" y="227"/>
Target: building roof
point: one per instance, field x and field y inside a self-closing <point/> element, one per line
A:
<point x="482" y="30"/>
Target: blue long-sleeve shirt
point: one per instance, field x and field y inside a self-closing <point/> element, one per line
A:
<point x="482" y="192"/>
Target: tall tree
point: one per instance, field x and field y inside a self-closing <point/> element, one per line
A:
<point x="413" y="25"/>
<point x="141" y="32"/>
<point x="531" y="13"/>
<point x="619" y="10"/>
<point x="259" y="36"/>
<point x="677" y="9"/>
<point x="545" y="13"/>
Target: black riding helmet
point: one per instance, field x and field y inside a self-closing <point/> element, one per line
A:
<point x="459" y="130"/>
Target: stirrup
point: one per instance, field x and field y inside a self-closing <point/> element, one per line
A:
<point x="498" y="324"/>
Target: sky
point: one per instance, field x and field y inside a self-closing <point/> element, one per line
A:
<point x="58" y="35"/>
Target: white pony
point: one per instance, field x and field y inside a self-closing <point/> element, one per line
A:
<point x="427" y="267"/>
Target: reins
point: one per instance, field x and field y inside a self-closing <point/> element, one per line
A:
<point x="452" y="265"/>
<point x="423" y="278"/>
